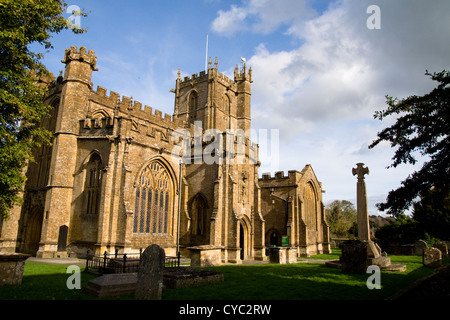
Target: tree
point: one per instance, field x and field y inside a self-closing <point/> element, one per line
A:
<point x="341" y="217"/>
<point x="403" y="230"/>
<point x="23" y="23"/>
<point x="422" y="127"/>
<point x="432" y="213"/>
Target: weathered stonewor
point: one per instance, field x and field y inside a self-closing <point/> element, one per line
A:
<point x="354" y="257"/>
<point x="432" y="257"/>
<point x="205" y="255"/>
<point x="150" y="275"/>
<point x="362" y="213"/>
<point x="419" y="247"/>
<point x="443" y="247"/>
<point x="119" y="284"/>
<point x="357" y="255"/>
<point x="11" y="268"/>
<point x="112" y="285"/>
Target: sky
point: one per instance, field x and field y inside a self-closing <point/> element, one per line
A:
<point x="320" y="70"/>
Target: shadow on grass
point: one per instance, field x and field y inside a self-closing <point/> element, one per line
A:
<point x="45" y="282"/>
<point x="278" y="282"/>
<point x="312" y="281"/>
<point x="303" y="281"/>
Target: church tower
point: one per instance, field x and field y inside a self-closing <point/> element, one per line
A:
<point x="72" y="107"/>
<point x="214" y="99"/>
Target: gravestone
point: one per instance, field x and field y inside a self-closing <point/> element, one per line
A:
<point x="432" y="257"/>
<point x="354" y="256"/>
<point x="419" y="246"/>
<point x="443" y="247"/>
<point x="112" y="285"/>
<point x="150" y="275"/>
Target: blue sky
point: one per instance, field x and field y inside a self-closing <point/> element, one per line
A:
<point x="319" y="72"/>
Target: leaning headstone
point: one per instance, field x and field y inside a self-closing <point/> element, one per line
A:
<point x="150" y="275"/>
<point x="419" y="246"/>
<point x="443" y="247"/>
<point x="432" y="257"/>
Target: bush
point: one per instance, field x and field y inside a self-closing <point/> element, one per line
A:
<point x="404" y="230"/>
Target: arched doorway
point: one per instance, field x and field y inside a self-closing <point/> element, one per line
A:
<point x="33" y="231"/>
<point x="244" y="239"/>
<point x="274" y="239"/>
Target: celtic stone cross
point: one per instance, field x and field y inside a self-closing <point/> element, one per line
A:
<point x="362" y="214"/>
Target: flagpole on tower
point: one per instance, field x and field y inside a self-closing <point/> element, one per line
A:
<point x="206" y="57"/>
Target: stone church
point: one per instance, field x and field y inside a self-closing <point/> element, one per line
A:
<point x="110" y="180"/>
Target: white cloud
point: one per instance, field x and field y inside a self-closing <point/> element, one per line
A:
<point x="323" y="93"/>
<point x="260" y="16"/>
<point x="228" y="22"/>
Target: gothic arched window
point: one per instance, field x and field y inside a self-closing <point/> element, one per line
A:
<point x="226" y="105"/>
<point x="193" y="101"/>
<point x="93" y="183"/>
<point x="310" y="202"/>
<point x="153" y="204"/>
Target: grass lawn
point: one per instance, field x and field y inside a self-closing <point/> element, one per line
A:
<point x="45" y="282"/>
<point x="311" y="281"/>
<point x="302" y="281"/>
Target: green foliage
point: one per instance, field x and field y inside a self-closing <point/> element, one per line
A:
<point x="404" y="230"/>
<point x="341" y="217"/>
<point x="430" y="240"/>
<point x="23" y="23"/>
<point x="432" y="212"/>
<point x="422" y="127"/>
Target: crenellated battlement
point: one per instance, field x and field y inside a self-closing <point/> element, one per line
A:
<point x="243" y="75"/>
<point x="194" y="76"/>
<point x="280" y="176"/>
<point x="212" y="73"/>
<point x="105" y="107"/>
<point x="293" y="178"/>
<point x="130" y="106"/>
<point x="73" y="54"/>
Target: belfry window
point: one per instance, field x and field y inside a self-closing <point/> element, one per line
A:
<point x="93" y="184"/>
<point x="153" y="204"/>
<point x="193" y="100"/>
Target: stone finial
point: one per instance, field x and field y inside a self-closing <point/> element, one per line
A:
<point x="81" y="55"/>
<point x="360" y="171"/>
